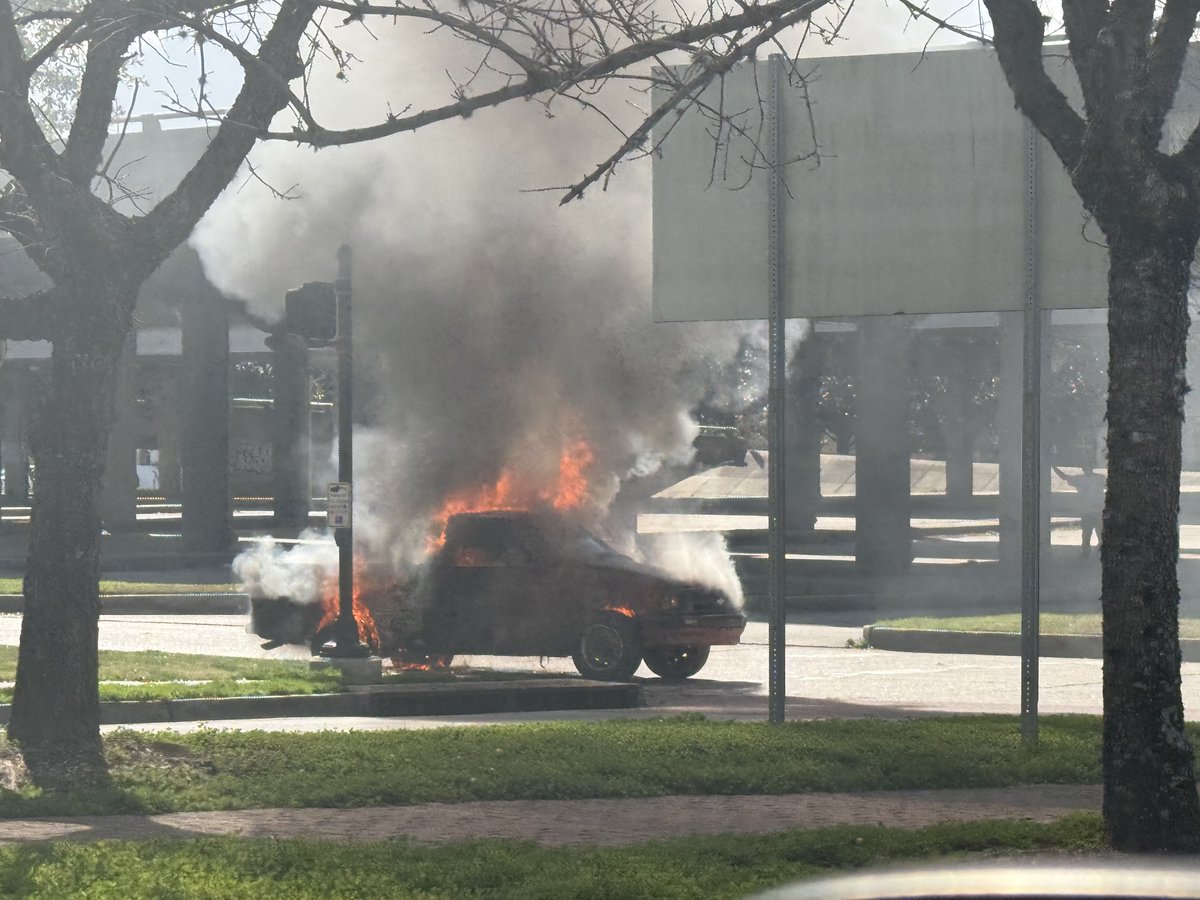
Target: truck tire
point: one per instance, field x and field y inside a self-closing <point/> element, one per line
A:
<point x="676" y="663"/>
<point x="608" y="649"/>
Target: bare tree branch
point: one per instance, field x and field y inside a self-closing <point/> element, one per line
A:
<point x="24" y="150"/>
<point x="473" y="30"/>
<point x="708" y="70"/>
<point x="922" y="12"/>
<point x="19" y="220"/>
<point x="555" y="78"/>
<point x="1018" y="28"/>
<point x="94" y="109"/>
<point x="249" y="61"/>
<point x="1084" y="20"/>
<point x="59" y="40"/>
<point x="261" y="97"/>
<point x="1164" y="64"/>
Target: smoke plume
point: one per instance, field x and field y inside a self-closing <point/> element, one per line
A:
<point x="493" y="328"/>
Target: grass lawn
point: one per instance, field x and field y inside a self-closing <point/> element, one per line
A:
<point x="14" y="586"/>
<point x="153" y="675"/>
<point x="173" y="676"/>
<point x="684" y="755"/>
<point x="731" y="866"/>
<point x="1052" y="623"/>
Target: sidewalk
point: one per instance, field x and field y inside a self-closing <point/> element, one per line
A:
<point x="557" y="823"/>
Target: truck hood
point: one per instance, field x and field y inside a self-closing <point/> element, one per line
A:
<point x="644" y="573"/>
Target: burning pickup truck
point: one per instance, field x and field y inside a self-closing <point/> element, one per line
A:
<point x="511" y="583"/>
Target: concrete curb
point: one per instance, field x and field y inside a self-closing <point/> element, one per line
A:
<point x="382" y="701"/>
<point x="201" y="604"/>
<point x="995" y="643"/>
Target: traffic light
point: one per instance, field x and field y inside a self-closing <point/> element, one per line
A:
<point x="311" y="312"/>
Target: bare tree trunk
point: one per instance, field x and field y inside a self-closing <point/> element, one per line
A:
<point x="1150" y="800"/>
<point x="56" y="711"/>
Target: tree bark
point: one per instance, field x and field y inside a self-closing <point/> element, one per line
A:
<point x="1150" y="800"/>
<point x="56" y="707"/>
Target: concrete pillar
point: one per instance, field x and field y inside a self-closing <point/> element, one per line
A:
<point x="1008" y="430"/>
<point x="803" y="462"/>
<point x="167" y="428"/>
<point x="1008" y="433"/>
<point x="14" y="449"/>
<point x="290" y="432"/>
<point x="882" y="468"/>
<point x="958" y="422"/>
<point x="118" y="501"/>
<point x="203" y="422"/>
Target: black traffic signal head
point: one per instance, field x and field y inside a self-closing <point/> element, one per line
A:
<point x="311" y="312"/>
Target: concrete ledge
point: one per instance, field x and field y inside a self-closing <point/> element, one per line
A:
<point x="501" y="696"/>
<point x="382" y="701"/>
<point x="995" y="643"/>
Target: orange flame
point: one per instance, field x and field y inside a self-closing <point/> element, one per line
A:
<point x="403" y="663"/>
<point x="623" y="610"/>
<point x="570" y="491"/>
<point x="367" y="632"/>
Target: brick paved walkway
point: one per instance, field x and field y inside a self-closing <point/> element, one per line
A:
<point x="566" y="822"/>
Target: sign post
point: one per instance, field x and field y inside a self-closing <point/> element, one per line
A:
<point x="339" y="504"/>
<point x="777" y="375"/>
<point x="346" y="640"/>
<point x="1031" y="457"/>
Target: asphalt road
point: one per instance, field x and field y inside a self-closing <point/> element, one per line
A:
<point x="825" y="677"/>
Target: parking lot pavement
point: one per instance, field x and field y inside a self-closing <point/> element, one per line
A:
<point x="824" y="676"/>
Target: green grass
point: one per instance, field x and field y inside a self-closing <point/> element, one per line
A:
<point x="152" y="665"/>
<point x="181" y="676"/>
<point x="685" y="755"/>
<point x="1052" y="623"/>
<point x="14" y="586"/>
<point x="708" y="867"/>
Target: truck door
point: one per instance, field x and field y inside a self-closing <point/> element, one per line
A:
<point x="484" y="575"/>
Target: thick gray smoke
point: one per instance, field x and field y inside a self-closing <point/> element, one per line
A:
<point x="494" y="329"/>
<point x="535" y="343"/>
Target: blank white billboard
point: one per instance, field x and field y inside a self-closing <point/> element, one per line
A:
<point x="917" y="204"/>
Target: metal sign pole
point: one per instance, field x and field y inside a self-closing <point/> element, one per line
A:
<point x="347" y="641"/>
<point x="776" y="328"/>
<point x="1031" y="456"/>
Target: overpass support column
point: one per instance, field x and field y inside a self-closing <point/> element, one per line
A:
<point x="803" y="462"/>
<point x="204" y="423"/>
<point x="883" y="531"/>
<point x="290" y="432"/>
<point x="118" y="502"/>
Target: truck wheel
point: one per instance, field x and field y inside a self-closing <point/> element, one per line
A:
<point x="675" y="663"/>
<point x="608" y="649"/>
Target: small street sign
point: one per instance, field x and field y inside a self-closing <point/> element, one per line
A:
<point x="338" y="504"/>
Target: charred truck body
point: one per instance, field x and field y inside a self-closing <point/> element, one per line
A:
<point x="532" y="584"/>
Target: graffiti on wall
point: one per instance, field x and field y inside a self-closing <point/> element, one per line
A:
<point x="250" y="458"/>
